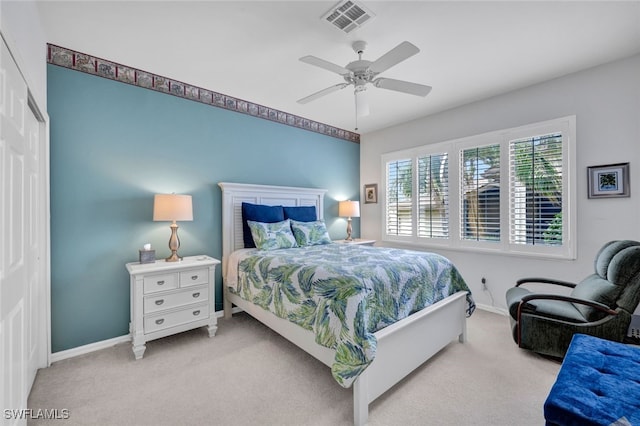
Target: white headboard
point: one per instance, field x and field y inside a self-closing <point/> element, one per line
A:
<point x="234" y="194"/>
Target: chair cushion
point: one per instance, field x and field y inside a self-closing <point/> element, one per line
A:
<point x="595" y="289"/>
<point x="617" y="265"/>
<point x="557" y="309"/>
<point x="630" y="295"/>
<point x="625" y="266"/>
<point x="514" y="295"/>
<point x="607" y="253"/>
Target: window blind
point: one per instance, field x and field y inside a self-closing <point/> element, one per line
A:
<point x="480" y="193"/>
<point x="535" y="170"/>
<point x="399" y="197"/>
<point x="433" y="196"/>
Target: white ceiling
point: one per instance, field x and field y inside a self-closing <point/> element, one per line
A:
<point x="250" y="49"/>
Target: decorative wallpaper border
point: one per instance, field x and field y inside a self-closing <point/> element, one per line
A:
<point x="82" y="62"/>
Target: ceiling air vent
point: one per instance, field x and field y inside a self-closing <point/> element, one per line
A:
<point x="348" y="15"/>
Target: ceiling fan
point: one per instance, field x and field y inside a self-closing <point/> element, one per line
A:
<point x="362" y="72"/>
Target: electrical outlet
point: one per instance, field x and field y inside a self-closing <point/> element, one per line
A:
<point x="484" y="284"/>
<point x="634" y="327"/>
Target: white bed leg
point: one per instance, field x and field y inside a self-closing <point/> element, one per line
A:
<point x="462" y="338"/>
<point x="226" y="304"/>
<point x="360" y="401"/>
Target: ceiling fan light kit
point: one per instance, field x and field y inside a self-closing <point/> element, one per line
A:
<point x="362" y="102"/>
<point x="361" y="72"/>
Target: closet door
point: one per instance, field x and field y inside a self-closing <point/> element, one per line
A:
<point x="22" y="289"/>
<point x="35" y="216"/>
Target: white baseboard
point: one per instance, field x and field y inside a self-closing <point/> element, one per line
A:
<point x="96" y="346"/>
<point x="91" y="347"/>
<point x="493" y="309"/>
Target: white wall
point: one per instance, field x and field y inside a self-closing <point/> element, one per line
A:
<point x="21" y="28"/>
<point x="606" y="102"/>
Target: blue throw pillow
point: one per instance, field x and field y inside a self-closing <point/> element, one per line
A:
<point x="300" y="213"/>
<point x="258" y="213"/>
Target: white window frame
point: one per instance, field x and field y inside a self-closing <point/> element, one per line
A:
<point x="565" y="125"/>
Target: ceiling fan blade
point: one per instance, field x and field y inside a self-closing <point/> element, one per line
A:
<point x="396" y="55"/>
<point x="312" y="60"/>
<point x="322" y="93"/>
<point x="402" y="86"/>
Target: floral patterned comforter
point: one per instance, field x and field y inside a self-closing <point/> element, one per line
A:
<point x="344" y="293"/>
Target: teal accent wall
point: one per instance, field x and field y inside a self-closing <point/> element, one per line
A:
<point x="113" y="146"/>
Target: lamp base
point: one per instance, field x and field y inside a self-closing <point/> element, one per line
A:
<point x="173" y="258"/>
<point x="174" y="244"/>
<point x="349" y="230"/>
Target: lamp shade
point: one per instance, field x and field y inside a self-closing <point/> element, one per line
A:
<point x="172" y="207"/>
<point x="349" y="209"/>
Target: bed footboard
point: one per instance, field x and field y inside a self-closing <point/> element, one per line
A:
<point x="402" y="347"/>
<point x="407" y="344"/>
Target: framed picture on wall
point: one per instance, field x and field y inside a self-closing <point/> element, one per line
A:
<point x="371" y="193"/>
<point x="608" y="181"/>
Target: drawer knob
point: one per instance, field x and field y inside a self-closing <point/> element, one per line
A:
<point x="159" y="302"/>
<point x="196" y="295"/>
<point x="194" y="277"/>
<point x="161" y="282"/>
<point x="159" y="321"/>
<point x="196" y="313"/>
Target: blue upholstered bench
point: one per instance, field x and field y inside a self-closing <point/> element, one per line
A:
<point x="598" y="384"/>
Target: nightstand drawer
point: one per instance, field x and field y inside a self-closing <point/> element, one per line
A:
<point x="194" y="277"/>
<point x="172" y="319"/>
<point x="174" y="300"/>
<point x="160" y="282"/>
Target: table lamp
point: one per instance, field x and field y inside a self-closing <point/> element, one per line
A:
<point x="349" y="209"/>
<point x="172" y="207"/>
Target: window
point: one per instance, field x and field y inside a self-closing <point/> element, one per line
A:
<point x="504" y="191"/>
<point x="433" y="196"/>
<point x="535" y="170"/>
<point x="480" y="189"/>
<point x="399" y="199"/>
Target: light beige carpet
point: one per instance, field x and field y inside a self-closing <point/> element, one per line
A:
<point x="248" y="375"/>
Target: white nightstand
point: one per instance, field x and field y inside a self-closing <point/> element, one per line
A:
<point x="171" y="297"/>
<point x="356" y="241"/>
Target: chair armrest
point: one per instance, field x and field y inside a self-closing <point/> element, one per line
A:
<point x="545" y="281"/>
<point x="596" y="305"/>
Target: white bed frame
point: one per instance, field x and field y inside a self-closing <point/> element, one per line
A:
<point x="402" y="347"/>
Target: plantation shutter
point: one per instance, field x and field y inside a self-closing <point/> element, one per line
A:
<point x="535" y="169"/>
<point x="480" y="193"/>
<point x="399" y="197"/>
<point x="433" y="197"/>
